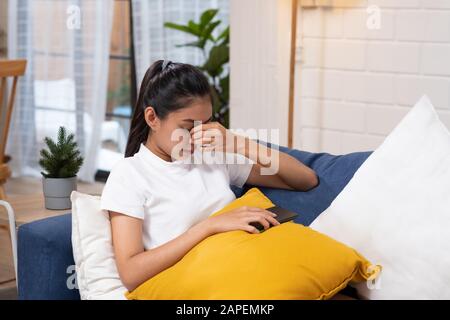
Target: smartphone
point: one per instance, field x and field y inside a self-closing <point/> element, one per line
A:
<point x="283" y="215"/>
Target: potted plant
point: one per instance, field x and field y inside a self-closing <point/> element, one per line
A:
<point x="216" y="51"/>
<point x="61" y="161"/>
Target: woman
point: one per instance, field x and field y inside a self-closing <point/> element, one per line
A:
<point x="158" y="202"/>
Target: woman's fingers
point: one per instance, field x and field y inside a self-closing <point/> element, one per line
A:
<point x="270" y="216"/>
<point x="207" y="133"/>
<point x="203" y="141"/>
<point x="264" y="219"/>
<point x="245" y="215"/>
<point x="250" y="229"/>
<point x="273" y="221"/>
<point x="208" y="126"/>
<point x="256" y="209"/>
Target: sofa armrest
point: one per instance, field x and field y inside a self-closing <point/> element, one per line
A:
<point x="45" y="261"/>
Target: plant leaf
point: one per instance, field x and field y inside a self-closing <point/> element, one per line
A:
<point x="195" y="27"/>
<point x="198" y="44"/>
<point x="180" y="27"/>
<point x="206" y="17"/>
<point x="225" y="35"/>
<point x="225" y="88"/>
<point x="207" y="32"/>
<point x="218" y="56"/>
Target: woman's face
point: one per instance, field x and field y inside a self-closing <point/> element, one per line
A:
<point x="171" y="134"/>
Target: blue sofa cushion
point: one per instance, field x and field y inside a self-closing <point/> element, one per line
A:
<point x="45" y="260"/>
<point x="333" y="171"/>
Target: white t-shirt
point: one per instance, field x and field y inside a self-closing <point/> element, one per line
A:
<point x="171" y="196"/>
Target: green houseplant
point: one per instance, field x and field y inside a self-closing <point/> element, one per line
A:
<point x="216" y="51"/>
<point x="61" y="163"/>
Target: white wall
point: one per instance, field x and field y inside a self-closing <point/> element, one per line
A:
<point x="259" y="60"/>
<point x="355" y="84"/>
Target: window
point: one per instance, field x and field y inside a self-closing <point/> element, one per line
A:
<point x="121" y="89"/>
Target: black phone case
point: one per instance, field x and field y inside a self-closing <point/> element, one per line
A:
<point x="283" y="215"/>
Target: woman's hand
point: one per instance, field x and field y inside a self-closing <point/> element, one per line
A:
<point x="240" y="219"/>
<point x="213" y="136"/>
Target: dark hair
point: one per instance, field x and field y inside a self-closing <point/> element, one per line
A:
<point x="167" y="86"/>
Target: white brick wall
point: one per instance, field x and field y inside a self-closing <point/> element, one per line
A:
<point x="354" y="84"/>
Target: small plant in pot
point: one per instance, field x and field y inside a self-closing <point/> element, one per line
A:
<point x="61" y="163"/>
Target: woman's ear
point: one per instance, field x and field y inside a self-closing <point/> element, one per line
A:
<point x="151" y="118"/>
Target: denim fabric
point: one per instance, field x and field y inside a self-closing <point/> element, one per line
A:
<point x="333" y="171"/>
<point x="45" y="259"/>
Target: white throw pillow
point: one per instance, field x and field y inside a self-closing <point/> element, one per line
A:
<point x="95" y="265"/>
<point x="396" y="210"/>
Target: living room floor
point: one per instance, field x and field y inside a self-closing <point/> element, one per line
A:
<point x="26" y="197"/>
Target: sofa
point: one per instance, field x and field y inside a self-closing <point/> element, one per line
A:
<point x="45" y="261"/>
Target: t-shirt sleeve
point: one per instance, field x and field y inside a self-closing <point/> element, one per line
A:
<point x="121" y="193"/>
<point x="238" y="167"/>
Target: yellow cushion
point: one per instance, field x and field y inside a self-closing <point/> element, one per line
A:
<point x="289" y="261"/>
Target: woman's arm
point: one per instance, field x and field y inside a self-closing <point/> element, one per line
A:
<point x="135" y="265"/>
<point x="276" y="169"/>
<point x="271" y="168"/>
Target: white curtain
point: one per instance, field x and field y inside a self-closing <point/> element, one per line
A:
<point x="66" y="43"/>
<point x="152" y="41"/>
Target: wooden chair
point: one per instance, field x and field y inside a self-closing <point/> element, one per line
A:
<point x="14" y="69"/>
